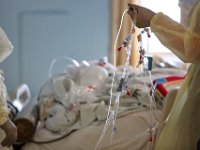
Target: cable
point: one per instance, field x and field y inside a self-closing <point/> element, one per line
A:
<point x="98" y="145"/>
<point x="112" y="111"/>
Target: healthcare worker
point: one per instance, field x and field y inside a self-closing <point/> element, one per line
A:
<point x="180" y="129"/>
<point x="8" y="131"/>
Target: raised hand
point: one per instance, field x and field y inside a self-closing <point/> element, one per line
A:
<point x="143" y="15"/>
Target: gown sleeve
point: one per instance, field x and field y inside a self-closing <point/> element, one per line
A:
<point x="3" y="105"/>
<point x="185" y="43"/>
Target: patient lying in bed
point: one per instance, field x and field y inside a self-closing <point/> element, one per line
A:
<point x="77" y="124"/>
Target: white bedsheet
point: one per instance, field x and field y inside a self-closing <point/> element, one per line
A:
<point x="132" y="126"/>
<point x="132" y="134"/>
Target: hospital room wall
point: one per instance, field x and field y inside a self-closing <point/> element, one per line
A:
<point x="41" y="30"/>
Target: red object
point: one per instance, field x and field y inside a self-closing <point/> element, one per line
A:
<point x="150" y="138"/>
<point x="119" y="49"/>
<point x="162" y="82"/>
<point x="128" y="92"/>
<point x="162" y="89"/>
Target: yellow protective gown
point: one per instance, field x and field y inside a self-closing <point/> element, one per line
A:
<point x="181" y="129"/>
<point x="3" y="104"/>
<point x="3" y="111"/>
<point x="6" y="48"/>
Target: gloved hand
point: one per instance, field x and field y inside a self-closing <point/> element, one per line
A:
<point x="143" y="16"/>
<point x="11" y="133"/>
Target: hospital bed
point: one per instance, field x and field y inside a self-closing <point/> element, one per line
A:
<point x="79" y="125"/>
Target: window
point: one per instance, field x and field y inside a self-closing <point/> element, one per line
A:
<point x="170" y="8"/>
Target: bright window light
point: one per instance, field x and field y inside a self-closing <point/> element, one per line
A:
<point x="170" y="8"/>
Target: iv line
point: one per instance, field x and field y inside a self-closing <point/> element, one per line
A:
<point x="110" y="114"/>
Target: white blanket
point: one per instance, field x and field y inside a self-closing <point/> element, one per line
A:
<point x="132" y="134"/>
